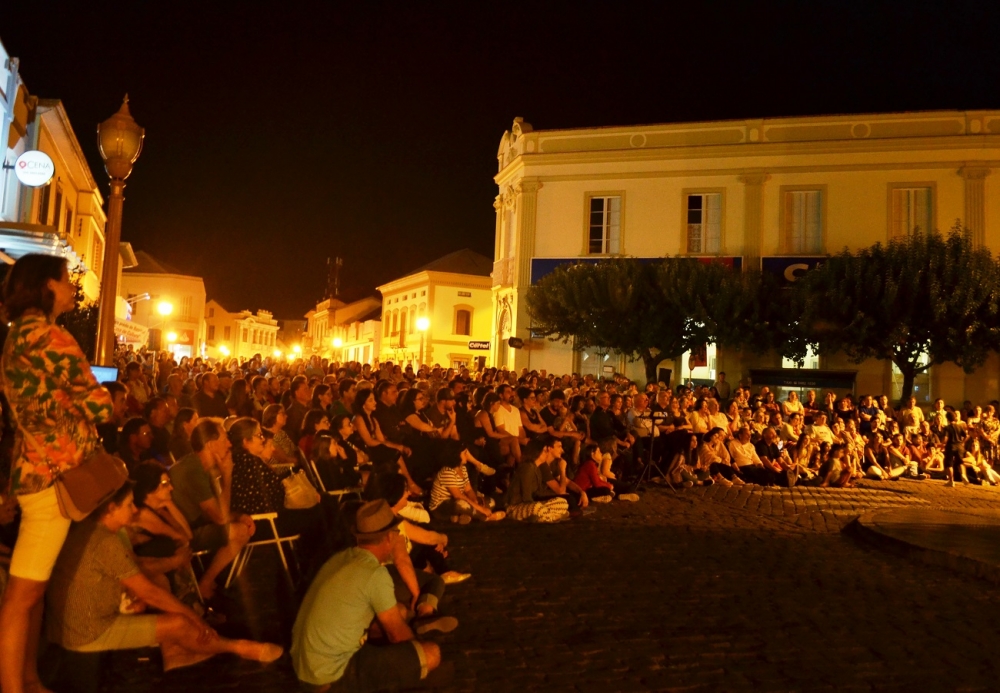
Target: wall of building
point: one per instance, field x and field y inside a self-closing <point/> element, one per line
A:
<point x="546" y="179"/>
<point x="185" y="294"/>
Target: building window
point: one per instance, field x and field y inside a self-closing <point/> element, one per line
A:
<point x="402" y="328"/>
<point x="704" y="223"/>
<point x="98" y="256"/>
<point x="604" y="237"/>
<point x="385" y="326"/>
<point x="911" y="210"/>
<point x="69" y="221"/>
<point x="186" y="308"/>
<point x="211" y="333"/>
<point x="211" y="312"/>
<point x="463" y="321"/>
<point x="227" y="333"/>
<point x="243" y="335"/>
<point x="58" y="215"/>
<point x="803" y="221"/>
<point x="44" y="195"/>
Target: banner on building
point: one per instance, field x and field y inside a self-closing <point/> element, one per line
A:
<point x="130" y="332"/>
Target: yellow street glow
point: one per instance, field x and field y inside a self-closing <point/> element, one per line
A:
<point x="165" y="308"/>
<point x="171" y="336"/>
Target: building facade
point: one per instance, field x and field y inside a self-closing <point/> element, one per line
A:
<point x="65" y="216"/>
<point x="240" y="335"/>
<point x="346" y="331"/>
<point x="168" y="303"/>
<point x="779" y="194"/>
<point x="453" y="295"/>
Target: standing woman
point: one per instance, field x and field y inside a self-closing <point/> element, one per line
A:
<point x="57" y="401"/>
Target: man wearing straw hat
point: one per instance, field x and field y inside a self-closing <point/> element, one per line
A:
<point x="330" y="651"/>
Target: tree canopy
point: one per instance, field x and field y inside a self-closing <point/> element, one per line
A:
<point x="925" y="293"/>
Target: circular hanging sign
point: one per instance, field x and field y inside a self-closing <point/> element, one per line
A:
<point x="34" y="168"/>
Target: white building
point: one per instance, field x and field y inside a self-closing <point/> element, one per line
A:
<point x="241" y="335"/>
<point x="168" y="303"/>
<point x="346" y="331"/>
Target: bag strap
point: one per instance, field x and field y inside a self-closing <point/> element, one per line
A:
<point x="55" y="471"/>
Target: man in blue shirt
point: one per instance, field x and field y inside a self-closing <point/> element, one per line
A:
<point x="330" y="651"/>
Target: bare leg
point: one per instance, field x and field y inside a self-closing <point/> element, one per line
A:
<point x="239" y="535"/>
<point x="182" y="644"/>
<point x="20" y="628"/>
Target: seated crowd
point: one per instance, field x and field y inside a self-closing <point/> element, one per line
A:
<point x="226" y="454"/>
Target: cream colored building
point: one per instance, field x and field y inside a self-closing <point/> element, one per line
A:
<point x="345" y="331"/>
<point x="151" y="286"/>
<point x="778" y="193"/>
<point x="453" y="294"/>
<point x="239" y="335"/>
<point x="64" y="217"/>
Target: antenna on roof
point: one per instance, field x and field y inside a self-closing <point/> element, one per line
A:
<point x="333" y="277"/>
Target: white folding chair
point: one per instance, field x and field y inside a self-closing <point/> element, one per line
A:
<point x="240" y="562"/>
<point x="338" y="493"/>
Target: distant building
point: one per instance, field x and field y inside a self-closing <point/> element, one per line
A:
<point x="777" y="194"/>
<point x="292" y="332"/>
<point x="241" y="335"/>
<point x="346" y="331"/>
<point x="453" y="294"/>
<point x="169" y="303"/>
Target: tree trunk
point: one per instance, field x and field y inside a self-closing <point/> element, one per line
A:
<point x="650" y="362"/>
<point x="909" y="373"/>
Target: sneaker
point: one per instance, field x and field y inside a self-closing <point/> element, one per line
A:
<point x="487" y="470"/>
<point x="631" y="497"/>
<point x="453" y="578"/>
<point x="601" y="499"/>
<point x="688" y="484"/>
<point x="949" y="483"/>
<point x="443" y="624"/>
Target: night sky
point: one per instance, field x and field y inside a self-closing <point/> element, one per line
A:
<point x="281" y="133"/>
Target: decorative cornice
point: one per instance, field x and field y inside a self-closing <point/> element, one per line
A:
<point x="974" y="171"/>
<point x="528" y="185"/>
<point x="754" y="178"/>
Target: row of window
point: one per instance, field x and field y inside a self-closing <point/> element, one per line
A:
<point x="402" y="322"/>
<point x="802" y="220"/>
<point x="262" y="337"/>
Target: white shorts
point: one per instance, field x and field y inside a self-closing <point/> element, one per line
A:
<point x="41" y="536"/>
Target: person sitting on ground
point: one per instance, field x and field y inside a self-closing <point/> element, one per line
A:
<point x="977" y="466"/>
<point x="901" y="463"/>
<point x="747" y="462"/>
<point x="329" y="644"/>
<point x="790" y="431"/>
<point x="835" y="472"/>
<point x="875" y="463"/>
<point x="384" y="454"/>
<point x="453" y="496"/>
<point x="599" y="488"/>
<point x="683" y="467"/>
<point x="528" y="497"/>
<point x="819" y="430"/>
<point x="202" y="486"/>
<point x="718" y="419"/>
<point x="161" y="537"/>
<point x="85" y="595"/>
<point x="428" y="550"/>
<point x="715" y="458"/>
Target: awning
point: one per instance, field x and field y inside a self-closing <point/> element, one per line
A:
<point x="18" y="239"/>
<point x="130" y="332"/>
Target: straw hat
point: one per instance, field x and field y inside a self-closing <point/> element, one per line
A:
<point x="374" y="518"/>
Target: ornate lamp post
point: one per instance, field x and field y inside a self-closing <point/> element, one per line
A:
<point x="119" y="140"/>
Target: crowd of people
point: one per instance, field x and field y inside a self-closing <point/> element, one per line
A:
<point x="221" y="454"/>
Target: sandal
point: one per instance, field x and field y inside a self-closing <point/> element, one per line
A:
<point x="497" y="516"/>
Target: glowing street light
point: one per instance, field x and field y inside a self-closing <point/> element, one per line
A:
<point x="423" y="324"/>
<point x="171" y="337"/>
<point x="337" y="342"/>
<point x="119" y="141"/>
<point x="224" y="350"/>
<point x="277" y="353"/>
<point x="164" y="308"/>
<point x="297" y="349"/>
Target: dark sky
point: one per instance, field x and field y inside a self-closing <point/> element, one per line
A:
<point x="281" y="133"/>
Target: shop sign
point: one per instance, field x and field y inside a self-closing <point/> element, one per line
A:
<point x="790" y="269"/>
<point x="479" y="346"/>
<point x="34" y="168"/>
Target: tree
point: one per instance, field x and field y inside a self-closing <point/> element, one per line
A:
<point x="82" y="321"/>
<point x="640" y="310"/>
<point x="921" y="294"/>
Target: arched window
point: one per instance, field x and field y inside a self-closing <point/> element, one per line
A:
<point x="402" y="328"/>
<point x="395" y="322"/>
<point x="463" y="321"/>
<point x="385" y="324"/>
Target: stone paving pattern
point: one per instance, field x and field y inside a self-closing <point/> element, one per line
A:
<point x="707" y="589"/>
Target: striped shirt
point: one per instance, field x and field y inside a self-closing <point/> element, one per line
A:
<point x="447" y="478"/>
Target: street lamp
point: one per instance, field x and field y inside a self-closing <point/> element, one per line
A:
<point x="224" y="350"/>
<point x="119" y="140"/>
<point x="164" y="308"/>
<point x="423" y="324"/>
<point x="171" y="337"/>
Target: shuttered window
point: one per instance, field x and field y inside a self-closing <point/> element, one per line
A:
<point x="704" y="223"/>
<point x="911" y="209"/>
<point x="605" y="226"/>
<point x="803" y="221"/>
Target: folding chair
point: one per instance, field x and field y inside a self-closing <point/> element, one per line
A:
<point x="337" y="493"/>
<point x="240" y="562"/>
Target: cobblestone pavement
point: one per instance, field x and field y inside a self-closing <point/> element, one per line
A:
<point x="701" y="590"/>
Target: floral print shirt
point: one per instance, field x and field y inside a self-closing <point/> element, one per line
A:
<point x="54" y="397"/>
